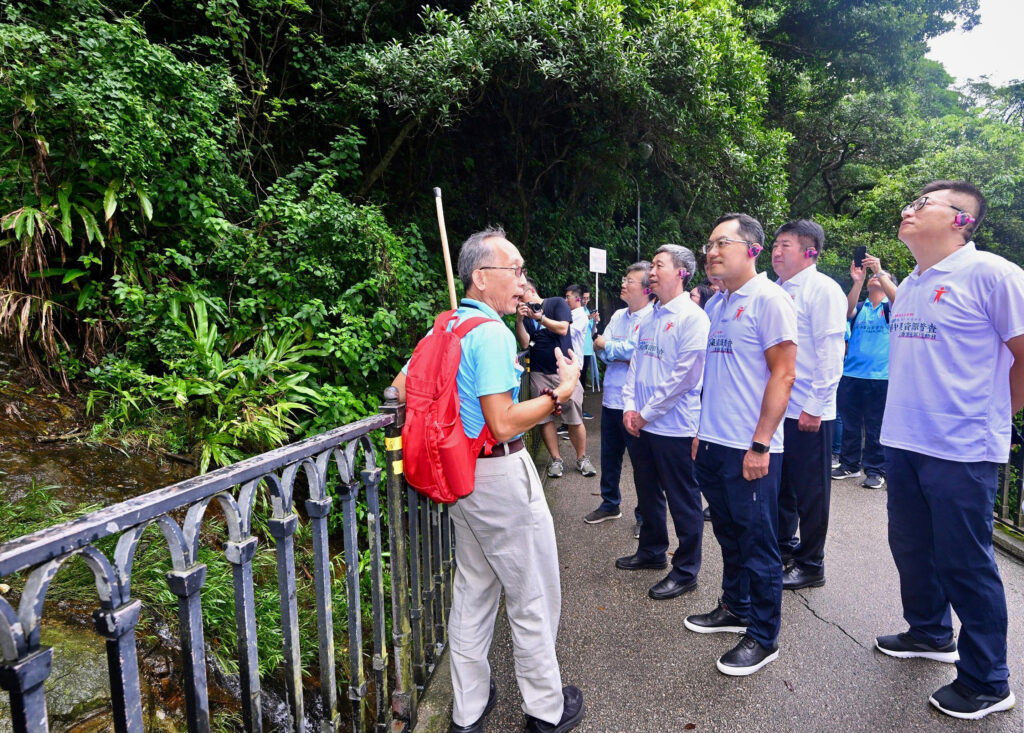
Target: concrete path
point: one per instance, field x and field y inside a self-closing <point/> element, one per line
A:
<point x="641" y="671"/>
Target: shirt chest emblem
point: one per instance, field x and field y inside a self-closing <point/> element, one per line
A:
<point x="669" y="325"/>
<point x="739" y="312"/>
<point x="939" y="292"/>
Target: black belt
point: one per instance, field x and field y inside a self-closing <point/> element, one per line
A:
<point x="504" y="449"/>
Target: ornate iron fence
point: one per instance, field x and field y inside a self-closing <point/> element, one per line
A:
<point x="382" y="698"/>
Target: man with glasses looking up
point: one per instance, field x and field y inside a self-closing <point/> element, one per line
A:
<point x="956" y="378"/>
<point x="661" y="398"/>
<point x="504" y="535"/>
<point x="748" y="375"/>
<point x="615" y="348"/>
<point x="865" y="382"/>
<point x="805" y="487"/>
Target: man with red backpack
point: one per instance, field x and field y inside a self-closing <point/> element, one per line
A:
<point x="504" y="535"/>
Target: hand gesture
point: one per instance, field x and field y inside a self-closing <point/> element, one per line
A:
<point x="755" y="465"/>
<point x="524" y="311"/>
<point x="857" y="273"/>
<point x="872" y="263"/>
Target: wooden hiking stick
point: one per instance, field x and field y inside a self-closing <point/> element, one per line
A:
<point x="444" y="248"/>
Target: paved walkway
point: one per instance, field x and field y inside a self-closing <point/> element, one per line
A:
<point x="641" y="671"/>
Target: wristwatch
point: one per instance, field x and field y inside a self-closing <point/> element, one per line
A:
<point x="759" y="447"/>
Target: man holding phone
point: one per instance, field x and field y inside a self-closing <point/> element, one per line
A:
<point x="865" y="381"/>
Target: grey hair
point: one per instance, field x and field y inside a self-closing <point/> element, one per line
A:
<point x="475" y="253"/>
<point x="644" y="267"/>
<point x="682" y="258"/>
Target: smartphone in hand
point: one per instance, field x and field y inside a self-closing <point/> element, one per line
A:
<point x="858" y="255"/>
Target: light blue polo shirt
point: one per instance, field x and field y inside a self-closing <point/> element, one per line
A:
<point x="588" y="335"/>
<point x="868" y="353"/>
<point x="488" y="365"/>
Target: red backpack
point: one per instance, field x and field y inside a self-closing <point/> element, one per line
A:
<point x="439" y="458"/>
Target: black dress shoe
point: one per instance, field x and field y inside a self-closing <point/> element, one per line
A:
<point x="478" y="726"/>
<point x="669" y="587"/>
<point x="636" y="562"/>
<point x="746" y="658"/>
<point x="572" y="714"/>
<point x="795" y="577"/>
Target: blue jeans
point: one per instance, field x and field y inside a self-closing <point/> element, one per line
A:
<point x="744" y="517"/>
<point x="940" y="534"/>
<point x="615" y="441"/>
<point x="861" y="403"/>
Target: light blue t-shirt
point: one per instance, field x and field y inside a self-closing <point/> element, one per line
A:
<point x="868" y="353"/>
<point x="588" y="335"/>
<point x="488" y="364"/>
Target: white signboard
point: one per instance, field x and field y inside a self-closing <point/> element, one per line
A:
<point x="598" y="260"/>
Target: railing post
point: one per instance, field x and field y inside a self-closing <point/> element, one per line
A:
<point x="117" y="626"/>
<point x="240" y="555"/>
<point x="23" y="679"/>
<point x="317" y="510"/>
<point x="283" y="530"/>
<point x="186" y="584"/>
<point x="406" y="696"/>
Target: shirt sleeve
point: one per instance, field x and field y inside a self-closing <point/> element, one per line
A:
<point x="629" y="388"/>
<point x="777" y="322"/>
<point x="493" y="354"/>
<point x="828" y="322"/>
<point x="687" y="367"/>
<point x="619" y="349"/>
<point x="1005" y="305"/>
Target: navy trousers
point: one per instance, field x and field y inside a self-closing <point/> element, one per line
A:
<point x="614" y="442"/>
<point x="861" y="403"/>
<point x="744" y="517"/>
<point x="805" y="491"/>
<point x="663" y="472"/>
<point x="940" y="534"/>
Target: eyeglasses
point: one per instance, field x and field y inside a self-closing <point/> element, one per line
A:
<point x="723" y="242"/>
<point x="627" y="281"/>
<point x="921" y="202"/>
<point x="519" y="271"/>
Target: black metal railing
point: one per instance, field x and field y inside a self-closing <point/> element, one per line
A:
<point x="420" y="558"/>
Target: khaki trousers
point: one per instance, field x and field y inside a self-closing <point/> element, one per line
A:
<point x="505" y="539"/>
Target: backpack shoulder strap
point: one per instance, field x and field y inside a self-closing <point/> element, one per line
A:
<point x="886" y="309"/>
<point x="856" y="311"/>
<point x="469" y="324"/>
<point x="442" y="320"/>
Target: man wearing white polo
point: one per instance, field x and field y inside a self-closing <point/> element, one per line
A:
<point x="805" y="488"/>
<point x="661" y="409"/>
<point x="748" y="374"/>
<point x="956" y="377"/>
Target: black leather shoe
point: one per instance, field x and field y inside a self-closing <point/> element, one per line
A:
<point x="746" y="658"/>
<point x="572" y="714"/>
<point x="635" y="562"/>
<point x="478" y="726"/>
<point x="669" y="587"/>
<point x="795" y="577"/>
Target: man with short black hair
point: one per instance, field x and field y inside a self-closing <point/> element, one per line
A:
<point x="805" y="486"/>
<point x="956" y="378"/>
<point x="748" y="374"/>
<point x="542" y="331"/>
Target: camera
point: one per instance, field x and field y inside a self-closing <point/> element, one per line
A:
<point x="535" y="307"/>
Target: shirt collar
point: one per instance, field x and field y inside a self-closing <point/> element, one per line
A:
<point x="752" y="285"/>
<point x="800" y="276"/>
<point x="476" y="304"/>
<point x="673" y="306"/>
<point x="641" y="312"/>
<point x="950" y="262"/>
<point x="953" y="261"/>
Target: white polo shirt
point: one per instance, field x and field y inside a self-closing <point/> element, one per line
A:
<point x="949" y="368"/>
<point x="821" y="324"/>
<point x="743" y="325"/>
<point x="619" y="343"/>
<point x="577" y="331"/>
<point x="665" y="373"/>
